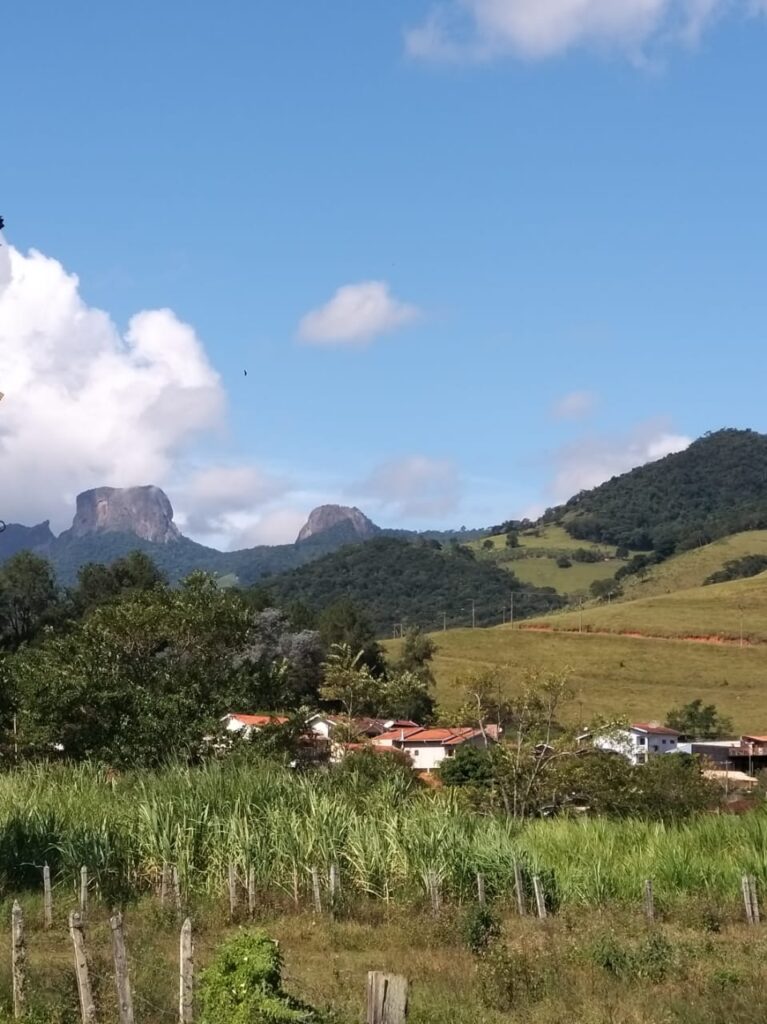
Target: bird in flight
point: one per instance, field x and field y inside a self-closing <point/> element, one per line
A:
<point x="245" y="372"/>
<point x="2" y="223"/>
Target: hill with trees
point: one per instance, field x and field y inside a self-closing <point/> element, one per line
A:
<point x="716" y="487"/>
<point x="420" y="583"/>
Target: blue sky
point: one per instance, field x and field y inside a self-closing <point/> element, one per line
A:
<point x="472" y="258"/>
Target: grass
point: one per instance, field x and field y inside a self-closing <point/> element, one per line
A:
<point x="691" y="568"/>
<point x="698" y="968"/>
<point x="535" y="560"/>
<point x="612" y="675"/>
<point x="720" y="612"/>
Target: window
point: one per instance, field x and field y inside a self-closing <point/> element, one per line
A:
<point x="641" y="741"/>
<point x="655" y="747"/>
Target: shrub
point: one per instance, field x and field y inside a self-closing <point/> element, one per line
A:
<point x="242" y="986"/>
<point x="480" y="928"/>
<point x="563" y="562"/>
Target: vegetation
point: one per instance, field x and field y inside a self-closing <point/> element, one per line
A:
<point x="612" y="675"/>
<point x="738" y="569"/>
<point x="716" y="487"/>
<point x="697" y="721"/>
<point x="416" y="584"/>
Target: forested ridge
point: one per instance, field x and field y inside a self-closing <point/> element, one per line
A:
<point x="413" y="583"/>
<point x="716" y="487"/>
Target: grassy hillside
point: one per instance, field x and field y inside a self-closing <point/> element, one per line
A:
<point x="535" y="560"/>
<point x="719" y="612"/>
<point x="691" y="568"/>
<point x="612" y="675"/>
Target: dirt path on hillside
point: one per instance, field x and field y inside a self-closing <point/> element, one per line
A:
<point x="716" y="641"/>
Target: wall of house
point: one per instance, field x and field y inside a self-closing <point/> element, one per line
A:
<point x="429" y="756"/>
<point x="637" y="747"/>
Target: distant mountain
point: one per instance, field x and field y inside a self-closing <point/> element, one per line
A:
<point x="16" y="537"/>
<point x="400" y="582"/>
<point x="346" y="524"/>
<point x="144" y="512"/>
<point x="716" y="487"/>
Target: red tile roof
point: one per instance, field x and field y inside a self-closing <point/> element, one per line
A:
<point x="441" y="737"/>
<point x="261" y="720"/>
<point x="660" y="730"/>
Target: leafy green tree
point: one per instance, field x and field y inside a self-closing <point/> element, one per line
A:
<point x="418" y="650"/>
<point x="28" y="597"/>
<point x="512" y="539"/>
<point x="139" y="679"/>
<point x="97" y="583"/>
<point x="343" y="623"/>
<point x="488" y="545"/>
<point x="349" y="681"/>
<point x="699" y="721"/>
<point x="405" y="695"/>
<point x="604" y="589"/>
<point x="470" y="766"/>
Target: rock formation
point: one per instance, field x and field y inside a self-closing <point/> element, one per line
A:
<point x="145" y="512"/>
<point x="340" y="519"/>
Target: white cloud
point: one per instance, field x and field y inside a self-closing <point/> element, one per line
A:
<point x="224" y="500"/>
<point x="575" y="405"/>
<point x="414" y="486"/>
<point x="485" y="29"/>
<point x="356" y="313"/>
<point x="593" y="459"/>
<point x="84" y="404"/>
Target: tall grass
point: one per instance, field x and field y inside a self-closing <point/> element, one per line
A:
<point x="388" y="842"/>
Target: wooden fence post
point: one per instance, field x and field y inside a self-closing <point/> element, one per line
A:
<point x="745" y="886"/>
<point x="296" y="890"/>
<point x="47" y="898"/>
<point x="165" y="883"/>
<point x="334" y="881"/>
<point x="175" y="885"/>
<point x="540" y="899"/>
<point x="83" y="893"/>
<point x="122" y="977"/>
<point x="251" y="892"/>
<point x="754" y="897"/>
<point x="387" y="998"/>
<point x="316" y="891"/>
<point x="232" y="878"/>
<point x="519" y="887"/>
<point x="186" y="975"/>
<point x="87" y="1007"/>
<point x="649" y="900"/>
<point x="434" y="892"/>
<point x="480" y="889"/>
<point x="18" y="961"/>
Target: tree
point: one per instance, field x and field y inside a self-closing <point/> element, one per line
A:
<point x="349" y="681"/>
<point x="471" y="766"/>
<point x="488" y="545"/>
<point x="405" y="695"/>
<point x="512" y="539"/>
<point x="287" y="664"/>
<point x="28" y="597"/>
<point x="418" y="649"/>
<point x="699" y="721"/>
<point x="604" y="589"/>
<point x="343" y="623"/>
<point x="97" y="583"/>
<point x="139" y="679"/>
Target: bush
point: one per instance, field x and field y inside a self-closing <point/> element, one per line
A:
<point x="563" y="562"/>
<point x="242" y="986"/>
<point x="480" y="928"/>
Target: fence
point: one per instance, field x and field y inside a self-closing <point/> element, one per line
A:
<point x="387" y="995"/>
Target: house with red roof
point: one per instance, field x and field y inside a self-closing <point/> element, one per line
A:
<point x="427" y="748"/>
<point x="245" y="725"/>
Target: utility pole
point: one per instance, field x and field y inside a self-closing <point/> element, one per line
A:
<point x="444" y="622"/>
<point x="473" y="615"/>
<point x="511" y="609"/>
<point x="580" y="616"/>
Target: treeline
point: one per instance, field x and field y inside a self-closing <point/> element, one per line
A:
<point x="125" y="668"/>
<point x="716" y="487"/>
<point x="422" y="583"/>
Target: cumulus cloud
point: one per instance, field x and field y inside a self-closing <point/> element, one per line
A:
<point x="223" y="500"/>
<point x="485" y="29"/>
<point x="575" y="405"/>
<point x="356" y="313"/>
<point x="591" y="460"/>
<point x="84" y="403"/>
<point x="414" y="486"/>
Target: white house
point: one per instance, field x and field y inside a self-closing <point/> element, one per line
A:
<point x="640" y="741"/>
<point x="428" y="748"/>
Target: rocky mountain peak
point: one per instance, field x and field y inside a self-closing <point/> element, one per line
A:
<point x="338" y="518"/>
<point x="143" y="511"/>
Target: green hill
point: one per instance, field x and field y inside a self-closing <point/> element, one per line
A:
<point x="720" y="613"/>
<point x="716" y="487"/>
<point x="413" y="583"/>
<point x="547" y="556"/>
<point x="612" y="675"/>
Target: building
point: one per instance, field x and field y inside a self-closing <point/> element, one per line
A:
<point x="245" y="725"/>
<point x="428" y="748"/>
<point x="715" y="751"/>
<point x="640" y="741"/>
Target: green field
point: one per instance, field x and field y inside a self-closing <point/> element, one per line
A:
<point x="612" y="675"/>
<point x="691" y="568"/>
<point x="535" y="560"/>
<point x="723" y="612"/>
